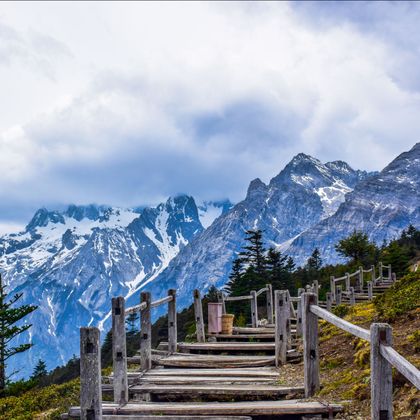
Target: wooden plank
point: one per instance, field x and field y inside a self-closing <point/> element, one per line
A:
<point x="340" y="323"/>
<point x="380" y="373"/>
<point x="146" y="333"/>
<point x="310" y="344"/>
<point x="250" y="330"/>
<point x="218" y="390"/>
<point x="237" y="298"/>
<point x="185" y="380"/>
<point x="218" y="362"/>
<point x="199" y="320"/>
<point x="135" y="309"/>
<point x="172" y="327"/>
<point x="243" y="336"/>
<point x="401" y="364"/>
<point x="90" y="374"/>
<point x="248" y="373"/>
<point x="252" y="408"/>
<point x="119" y="352"/>
<point x="159" y="417"/>
<point x="224" y="346"/>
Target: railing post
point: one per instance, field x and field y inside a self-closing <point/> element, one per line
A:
<point x="352" y="297"/>
<point x="90" y="374"/>
<point x="254" y="309"/>
<point x="221" y="299"/>
<point x="172" y="327"/>
<point x="338" y="295"/>
<point x="394" y="277"/>
<point x="370" y="290"/>
<point x="145" y="333"/>
<point x="119" y="351"/>
<point x="310" y="345"/>
<point x="360" y="279"/>
<point x="329" y="302"/>
<point x="299" y="313"/>
<point x="347" y="282"/>
<point x="199" y="321"/>
<point x="315" y="287"/>
<point x="381" y="273"/>
<point x="281" y="313"/>
<point x="389" y="272"/>
<point x="381" y="373"/>
<point x="332" y="288"/>
<point x="269" y="303"/>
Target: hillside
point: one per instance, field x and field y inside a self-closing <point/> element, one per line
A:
<point x="344" y="362"/>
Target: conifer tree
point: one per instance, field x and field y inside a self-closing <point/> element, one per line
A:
<point x="132" y="322"/>
<point x="40" y="370"/>
<point x="314" y="262"/>
<point x="10" y="328"/>
<point x="254" y="252"/>
<point x="357" y="248"/>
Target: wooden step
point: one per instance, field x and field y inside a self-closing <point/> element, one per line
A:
<point x="251" y="330"/>
<point x="242" y="336"/>
<point x="159" y="417"/>
<point x="222" y="347"/>
<point x="251" y="408"/>
<point x="209" y="361"/>
<point x="248" y="373"/>
<point x="242" y="390"/>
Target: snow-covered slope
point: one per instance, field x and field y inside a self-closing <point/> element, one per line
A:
<point x="382" y="206"/>
<point x="302" y="194"/>
<point x="71" y="263"/>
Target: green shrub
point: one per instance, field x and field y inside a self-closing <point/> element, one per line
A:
<point x="402" y="297"/>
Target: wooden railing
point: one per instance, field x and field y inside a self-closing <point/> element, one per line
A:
<point x="382" y="356"/>
<point x="90" y="357"/>
<point x="253" y="298"/>
<point x="351" y="287"/>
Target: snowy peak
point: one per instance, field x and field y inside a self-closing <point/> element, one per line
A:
<point x="256" y="188"/>
<point x="43" y="217"/>
<point x="208" y="211"/>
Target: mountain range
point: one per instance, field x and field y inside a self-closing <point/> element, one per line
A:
<point x="72" y="262"/>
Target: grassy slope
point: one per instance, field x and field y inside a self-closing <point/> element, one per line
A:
<point x="344" y="362"/>
<point x="345" y="359"/>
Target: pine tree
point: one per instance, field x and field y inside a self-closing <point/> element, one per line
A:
<point x="254" y="253"/>
<point x="132" y="322"/>
<point x="40" y="370"/>
<point x="9" y="317"/>
<point x="314" y="262"/>
<point x="357" y="248"/>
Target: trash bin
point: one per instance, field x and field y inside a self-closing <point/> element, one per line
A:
<point x="215" y="311"/>
<point x="227" y="324"/>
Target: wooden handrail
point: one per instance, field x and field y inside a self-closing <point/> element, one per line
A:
<point x="136" y="308"/>
<point x="236" y="298"/>
<point x="264" y="289"/>
<point x="340" y="323"/>
<point x="161" y="301"/>
<point x="401" y="364"/>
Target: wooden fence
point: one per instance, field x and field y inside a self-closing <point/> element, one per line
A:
<point x="90" y="349"/>
<point x="382" y="356"/>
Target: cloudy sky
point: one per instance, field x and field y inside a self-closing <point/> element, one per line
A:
<point x="128" y="103"/>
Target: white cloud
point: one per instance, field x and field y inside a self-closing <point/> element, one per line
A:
<point x="194" y="97"/>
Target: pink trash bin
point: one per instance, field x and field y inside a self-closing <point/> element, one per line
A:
<point x="215" y="311"/>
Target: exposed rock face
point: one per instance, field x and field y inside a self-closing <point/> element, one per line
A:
<point x="300" y="196"/>
<point x="381" y="205"/>
<point x="72" y="263"/>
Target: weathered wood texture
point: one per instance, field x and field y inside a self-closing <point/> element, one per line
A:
<point x="146" y="333"/>
<point x="310" y="345"/>
<point x="119" y="352"/>
<point x="160" y="301"/>
<point x="159" y="417"/>
<point x="281" y="316"/>
<point x="254" y="309"/>
<point x="172" y="324"/>
<point x="269" y="299"/>
<point x="90" y="374"/>
<point x="329" y="301"/>
<point x="381" y="373"/>
<point x="340" y="323"/>
<point x="370" y="289"/>
<point x="199" y="321"/>
<point x="253" y="408"/>
<point x="221" y="299"/>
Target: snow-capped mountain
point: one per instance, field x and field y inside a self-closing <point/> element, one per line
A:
<point x="72" y="263"/>
<point x="208" y="211"/>
<point x="305" y="192"/>
<point x="382" y="206"/>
